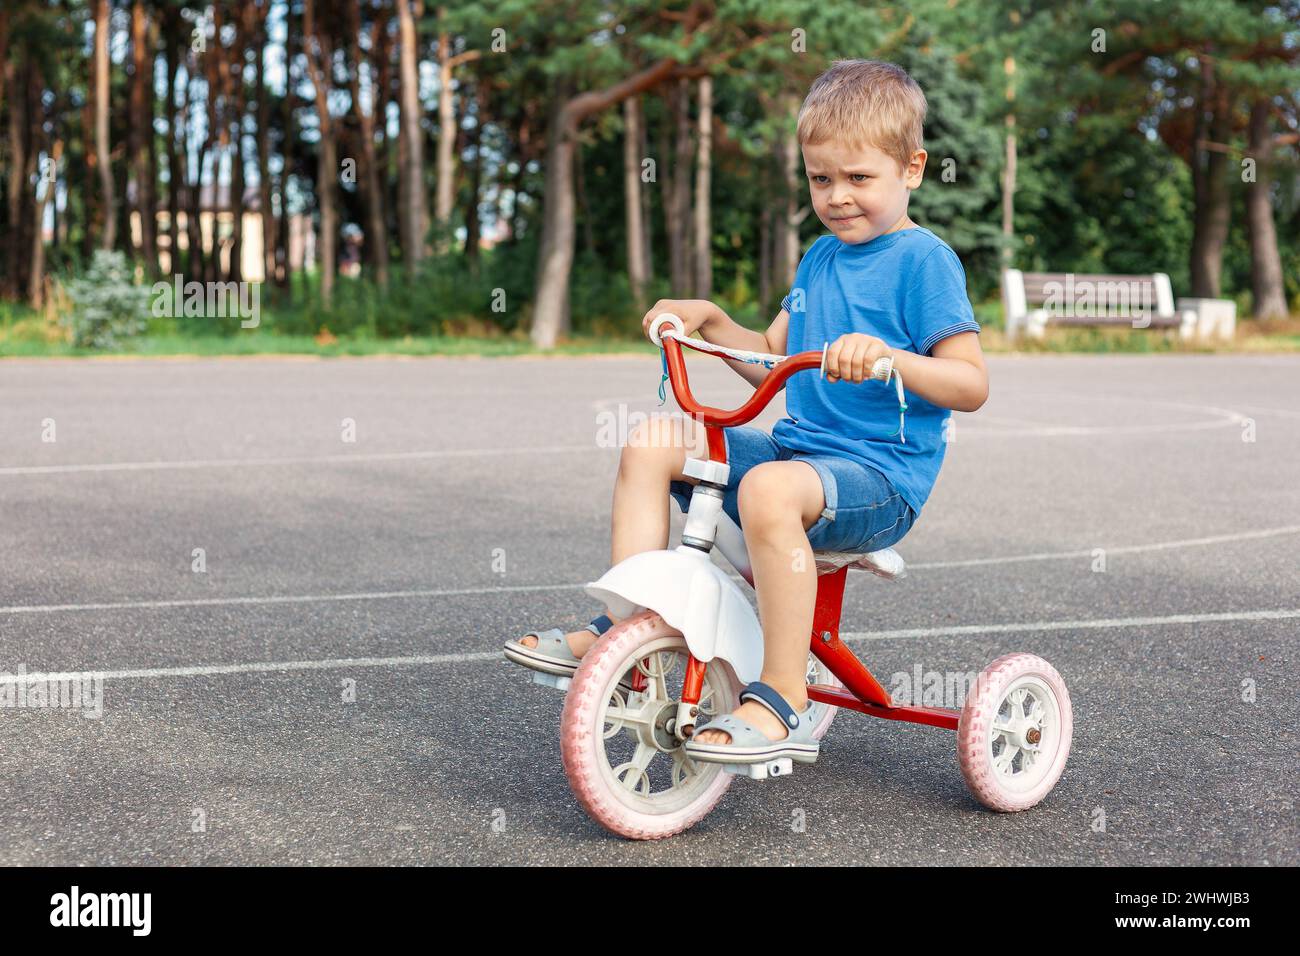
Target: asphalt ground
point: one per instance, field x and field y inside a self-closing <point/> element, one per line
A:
<point x="330" y="688"/>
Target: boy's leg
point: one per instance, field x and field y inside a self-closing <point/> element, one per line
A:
<point x="653" y="458"/>
<point x="778" y="502"/>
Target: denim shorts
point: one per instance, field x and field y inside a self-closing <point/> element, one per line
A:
<point x="863" y="512"/>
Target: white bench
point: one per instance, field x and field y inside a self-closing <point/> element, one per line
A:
<point x="1071" y="299"/>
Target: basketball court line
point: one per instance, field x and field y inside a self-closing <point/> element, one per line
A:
<point x="501" y="589"/>
<point x="344" y="663"/>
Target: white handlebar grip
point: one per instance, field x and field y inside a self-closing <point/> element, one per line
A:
<point x="661" y="320"/>
<point x="883" y="368"/>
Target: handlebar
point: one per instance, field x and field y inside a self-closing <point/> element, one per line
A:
<point x="773" y="383"/>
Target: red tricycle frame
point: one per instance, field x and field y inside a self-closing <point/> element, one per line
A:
<point x="861" y="691"/>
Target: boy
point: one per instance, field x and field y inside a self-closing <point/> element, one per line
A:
<point x="834" y="474"/>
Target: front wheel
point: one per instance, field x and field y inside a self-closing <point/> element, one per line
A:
<point x="624" y="762"/>
<point x="1014" y="733"/>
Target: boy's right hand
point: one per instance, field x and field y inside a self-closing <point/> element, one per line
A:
<point x="694" y="313"/>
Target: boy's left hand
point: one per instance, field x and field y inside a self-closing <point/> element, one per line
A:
<point x="851" y="357"/>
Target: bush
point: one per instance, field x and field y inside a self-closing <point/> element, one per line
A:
<point x="107" y="306"/>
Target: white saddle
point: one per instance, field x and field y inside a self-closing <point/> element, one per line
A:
<point x="886" y="562"/>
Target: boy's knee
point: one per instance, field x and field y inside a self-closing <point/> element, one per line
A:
<point x="658" y="441"/>
<point x="764" y="496"/>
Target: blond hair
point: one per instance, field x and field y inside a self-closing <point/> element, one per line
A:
<point x="865" y="103"/>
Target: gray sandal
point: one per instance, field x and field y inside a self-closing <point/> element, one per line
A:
<point x="748" y="744"/>
<point x="552" y="654"/>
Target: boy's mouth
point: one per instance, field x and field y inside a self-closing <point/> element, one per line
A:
<point x="847" y="218"/>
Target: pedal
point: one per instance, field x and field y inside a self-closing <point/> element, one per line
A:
<point x="781" y="767"/>
<point x="552" y="680"/>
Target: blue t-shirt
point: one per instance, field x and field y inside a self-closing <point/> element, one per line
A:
<point x="907" y="288"/>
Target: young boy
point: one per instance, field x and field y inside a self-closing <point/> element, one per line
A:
<point x="834" y="474"/>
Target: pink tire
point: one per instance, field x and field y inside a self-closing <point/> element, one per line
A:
<point x="1014" y="734"/>
<point x="656" y="791"/>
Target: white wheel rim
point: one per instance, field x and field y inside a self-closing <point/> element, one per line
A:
<point x="637" y="716"/>
<point x="818" y="673"/>
<point x="1025" y="734"/>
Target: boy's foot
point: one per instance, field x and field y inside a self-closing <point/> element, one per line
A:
<point x="755" y="714"/>
<point x="579" y="641"/>
<point x="752" y="734"/>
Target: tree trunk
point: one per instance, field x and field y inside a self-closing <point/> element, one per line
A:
<point x="376" y="240"/>
<point x="319" y="58"/>
<point x="1009" y="167"/>
<point x="193" y="191"/>
<point x="4" y="48"/>
<point x="647" y="205"/>
<point x="584" y="210"/>
<point x="209" y="252"/>
<point x="151" y="147"/>
<point x="1266" y="282"/>
<point x="523" y="151"/>
<point x="236" y="271"/>
<point x="6" y="79"/>
<point x="632" y="200"/>
<point x="264" y="149"/>
<point x="108" y="236"/>
<point x="171" y="45"/>
<point x="234" y="77"/>
<point x="446" y="189"/>
<point x="765" y="253"/>
<point x="36" y="287"/>
<point x="555" y="257"/>
<point x="679" y="249"/>
<point x="284" y="273"/>
<point x="1210" y="184"/>
<point x="703" y="210"/>
<point x="411" y="147"/>
<point x="16" y="188"/>
<point x="141" y="138"/>
<point x="383" y="59"/>
<point x="787" y="245"/>
<point x="472" y="225"/>
<point x="29" y="227"/>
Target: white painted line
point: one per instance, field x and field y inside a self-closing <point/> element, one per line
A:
<point x="269" y="667"/>
<point x="299" y="460"/>
<point x="1126" y="549"/>
<point x="287" y="599"/>
<point x="1285" y="412"/>
<point x="453" y="592"/>
<point x="1223" y="417"/>
<point x="344" y="663"/>
<point x="1029" y="627"/>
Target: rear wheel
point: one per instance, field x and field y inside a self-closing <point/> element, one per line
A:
<point x="1014" y="733"/>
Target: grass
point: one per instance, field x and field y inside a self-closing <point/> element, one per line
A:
<point x="270" y="344"/>
<point x="25" y="334"/>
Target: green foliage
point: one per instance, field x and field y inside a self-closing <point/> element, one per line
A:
<point x="108" y="307"/>
<point x="1104" y="149"/>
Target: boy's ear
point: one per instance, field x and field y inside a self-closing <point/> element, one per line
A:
<point x="915" y="170"/>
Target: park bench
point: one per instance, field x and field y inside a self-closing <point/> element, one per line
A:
<point x="1033" y="300"/>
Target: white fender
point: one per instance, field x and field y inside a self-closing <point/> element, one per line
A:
<point x="693" y="595"/>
